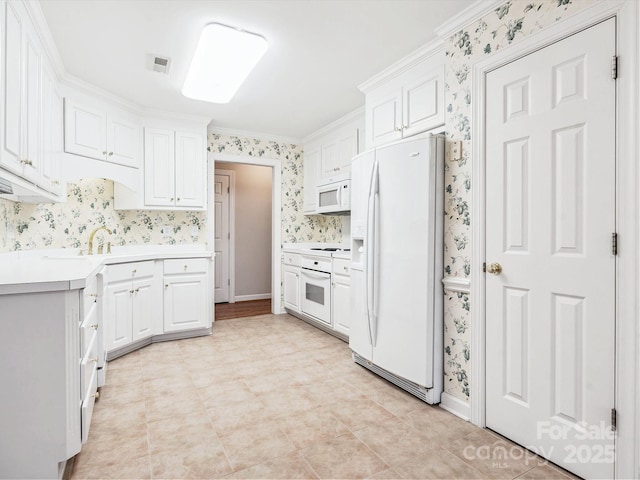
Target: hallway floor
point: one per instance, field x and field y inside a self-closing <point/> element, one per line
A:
<point x="273" y="397"/>
<point x="250" y="308"/>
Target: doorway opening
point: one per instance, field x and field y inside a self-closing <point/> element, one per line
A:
<point x="243" y="232"/>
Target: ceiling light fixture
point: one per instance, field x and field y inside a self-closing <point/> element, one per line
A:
<point x="223" y="59"/>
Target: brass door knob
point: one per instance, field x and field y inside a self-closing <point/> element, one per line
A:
<point x="494" y="268"/>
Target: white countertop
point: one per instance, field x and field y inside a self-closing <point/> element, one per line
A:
<point x="31" y="271"/>
<point x="307" y="249"/>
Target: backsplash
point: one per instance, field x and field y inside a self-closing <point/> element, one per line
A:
<point x="511" y="22"/>
<point x="90" y="203"/>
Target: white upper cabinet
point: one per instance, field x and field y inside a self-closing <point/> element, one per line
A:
<point x="190" y="169"/>
<point x="174" y="169"/>
<point x="328" y="153"/>
<point x="30" y="110"/>
<point x="405" y="100"/>
<point x="103" y="134"/>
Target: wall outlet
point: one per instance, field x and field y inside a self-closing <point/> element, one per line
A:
<point x="166" y="230"/>
<point x="455" y="150"/>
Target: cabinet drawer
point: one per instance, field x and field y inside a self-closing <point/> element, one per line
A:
<point x="317" y="263"/>
<point x="291" y="259"/>
<point x="186" y="265"/>
<point x="88" y="366"/>
<point x="88" y="329"/>
<point x="89" y="296"/>
<point x="341" y="266"/>
<point x="88" y="402"/>
<point x="124" y="271"/>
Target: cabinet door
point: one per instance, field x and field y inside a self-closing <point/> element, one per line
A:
<point x="185" y="302"/>
<point x="145" y="302"/>
<point x="423" y="103"/>
<point x="311" y="175"/>
<point x="159" y="156"/>
<point x="292" y="288"/>
<point x="51" y="118"/>
<point x="31" y="134"/>
<point x="383" y="118"/>
<point x="119" y="321"/>
<point x="190" y="170"/>
<point x="341" y="303"/>
<point x="347" y="149"/>
<point x="11" y="87"/>
<point x="123" y="141"/>
<point x="84" y="130"/>
<point x="329" y="159"/>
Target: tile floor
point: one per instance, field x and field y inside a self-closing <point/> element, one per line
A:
<point x="273" y="397"/>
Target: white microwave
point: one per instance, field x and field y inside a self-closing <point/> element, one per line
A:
<point x="334" y="198"/>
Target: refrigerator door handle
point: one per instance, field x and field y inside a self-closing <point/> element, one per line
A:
<point x="374" y="269"/>
<point x="369" y="250"/>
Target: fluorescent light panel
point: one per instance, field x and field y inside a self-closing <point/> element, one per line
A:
<point x="223" y="59"/>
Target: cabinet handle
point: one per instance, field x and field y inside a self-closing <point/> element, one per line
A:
<point x="93" y="294"/>
<point x="94" y="326"/>
<point x="55" y="182"/>
<point x="130" y="291"/>
<point x="171" y="199"/>
<point x="104" y="153"/>
<point x="96" y="395"/>
<point x="166" y="285"/>
<point x="404" y="127"/>
<point x="185" y="267"/>
<point x="26" y="162"/>
<point x="346" y="269"/>
<point x="133" y="272"/>
<point x="110" y="153"/>
<point x="137" y="290"/>
<point x="178" y="199"/>
<point x="94" y="360"/>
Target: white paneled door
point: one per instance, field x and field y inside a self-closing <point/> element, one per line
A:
<point x="550" y="216"/>
<point x="222" y="237"/>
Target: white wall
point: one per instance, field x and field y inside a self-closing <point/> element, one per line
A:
<point x="253" y="228"/>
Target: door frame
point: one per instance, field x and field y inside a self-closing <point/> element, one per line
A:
<point x="232" y="229"/>
<point x="276" y="215"/>
<point x="627" y="394"/>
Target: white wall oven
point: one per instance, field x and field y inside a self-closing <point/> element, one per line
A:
<point x="315" y="283"/>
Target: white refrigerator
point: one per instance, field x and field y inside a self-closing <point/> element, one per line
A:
<point x="397" y="249"/>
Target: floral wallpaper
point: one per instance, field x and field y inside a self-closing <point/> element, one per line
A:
<point x="511" y="22"/>
<point x="296" y="227"/>
<point x="89" y="204"/>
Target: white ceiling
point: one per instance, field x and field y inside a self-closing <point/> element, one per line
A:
<point x="319" y="51"/>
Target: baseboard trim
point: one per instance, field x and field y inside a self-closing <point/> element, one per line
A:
<point x="163" y="337"/>
<point x="454" y="405"/>
<point x="257" y="296"/>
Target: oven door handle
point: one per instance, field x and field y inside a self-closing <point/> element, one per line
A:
<point x="319" y="276"/>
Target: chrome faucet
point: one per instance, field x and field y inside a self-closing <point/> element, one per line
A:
<point x="93" y="234"/>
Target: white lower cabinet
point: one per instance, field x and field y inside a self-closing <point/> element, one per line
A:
<point x="185" y="294"/>
<point x="341" y="295"/>
<point x="134" y="303"/>
<point x="291" y="281"/>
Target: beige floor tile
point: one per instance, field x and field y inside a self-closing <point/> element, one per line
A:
<point x="204" y="377"/>
<point x="290" y="466"/>
<point x="493" y="456"/>
<point x="124" y="376"/>
<point x="181" y="432"/>
<point x="254" y="444"/>
<point x="436" y="423"/>
<point x="169" y="385"/>
<point x="111" y="446"/>
<point x="395" y="400"/>
<point x="168" y="406"/>
<point x="203" y="461"/>
<point x="219" y="395"/>
<point x="226" y="418"/>
<point x="332" y="391"/>
<point x="388" y="474"/>
<point x="395" y="442"/>
<point x="438" y="464"/>
<point x="167" y="370"/>
<point x="546" y="472"/>
<point x="117" y="416"/>
<point x="277" y="380"/>
<point x="120" y="395"/>
<point x="343" y="457"/>
<point x="360" y="412"/>
<point x="286" y="401"/>
<point x="312" y="426"/>
<point x="137" y="468"/>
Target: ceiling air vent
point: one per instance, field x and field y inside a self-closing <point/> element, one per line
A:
<point x="161" y="64"/>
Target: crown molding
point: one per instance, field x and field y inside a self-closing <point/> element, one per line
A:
<point x="256" y="135"/>
<point x="406" y="63"/>
<point x="473" y="12"/>
<point x="349" y="117"/>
